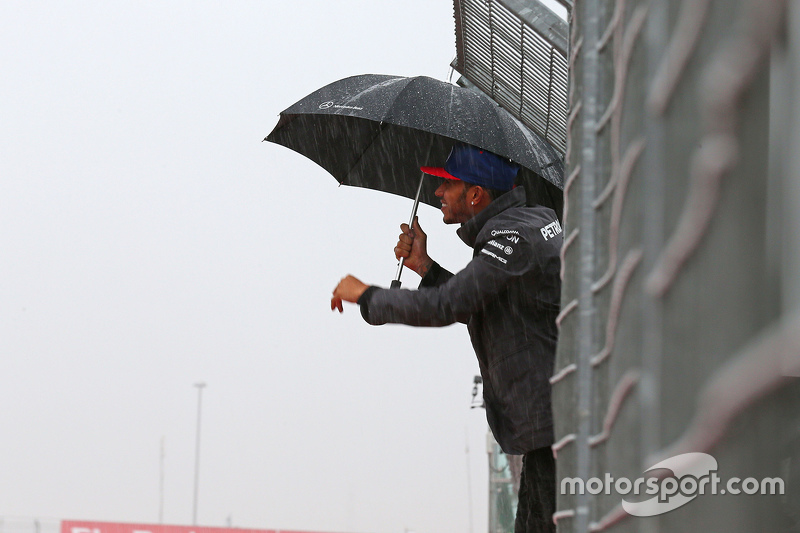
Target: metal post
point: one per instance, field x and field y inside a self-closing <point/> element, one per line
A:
<point x="200" y="386"/>
<point x="161" y="484"/>
<point x="587" y="143"/>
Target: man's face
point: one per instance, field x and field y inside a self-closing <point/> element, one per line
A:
<point x="453" y="195"/>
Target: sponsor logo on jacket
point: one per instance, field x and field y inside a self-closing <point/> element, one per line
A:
<point x="507" y="249"/>
<point x="551" y="230"/>
<point x="510" y="234"/>
<point x="492" y="254"/>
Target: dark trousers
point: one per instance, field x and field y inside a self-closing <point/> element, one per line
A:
<point x="537" y="493"/>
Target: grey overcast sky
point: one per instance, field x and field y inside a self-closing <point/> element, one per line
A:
<point x="149" y="240"/>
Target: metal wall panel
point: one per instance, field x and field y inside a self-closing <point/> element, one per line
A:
<point x="515" y="52"/>
<point x="675" y="336"/>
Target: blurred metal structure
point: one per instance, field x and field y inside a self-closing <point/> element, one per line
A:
<point x="679" y="329"/>
<point x="680" y="321"/>
<point x="516" y="52"/>
<point x="504" y="472"/>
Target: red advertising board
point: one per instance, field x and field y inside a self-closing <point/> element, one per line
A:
<point x="80" y="526"/>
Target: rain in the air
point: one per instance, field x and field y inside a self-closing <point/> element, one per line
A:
<point x="456" y="266"/>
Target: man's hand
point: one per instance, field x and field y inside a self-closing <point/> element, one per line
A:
<point x="413" y="246"/>
<point x="349" y="289"/>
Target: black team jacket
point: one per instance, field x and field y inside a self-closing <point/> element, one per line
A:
<point x="509" y="297"/>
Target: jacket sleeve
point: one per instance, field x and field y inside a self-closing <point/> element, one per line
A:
<point x="455" y="300"/>
<point x="435" y="276"/>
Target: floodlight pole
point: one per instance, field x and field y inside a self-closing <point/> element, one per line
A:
<point x="161" y="484"/>
<point x="200" y="386"/>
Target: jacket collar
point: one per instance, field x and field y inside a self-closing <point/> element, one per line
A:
<point x="469" y="230"/>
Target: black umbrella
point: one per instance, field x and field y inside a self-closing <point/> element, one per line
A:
<point x="376" y="131"/>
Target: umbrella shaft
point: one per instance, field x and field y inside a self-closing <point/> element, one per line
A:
<point x="396" y="281"/>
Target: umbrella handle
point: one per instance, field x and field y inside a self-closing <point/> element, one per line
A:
<point x="396" y="281"/>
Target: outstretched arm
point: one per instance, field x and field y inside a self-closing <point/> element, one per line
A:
<point x="452" y="301"/>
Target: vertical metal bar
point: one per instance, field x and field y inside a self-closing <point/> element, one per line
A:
<point x="491" y="49"/>
<point x="592" y="90"/>
<point x="790" y="262"/>
<point x="654" y="179"/>
<point x="161" y="484"/>
<point x="200" y="387"/>
<point x="549" y="94"/>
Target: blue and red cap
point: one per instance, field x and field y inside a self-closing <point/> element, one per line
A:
<point x="476" y="166"/>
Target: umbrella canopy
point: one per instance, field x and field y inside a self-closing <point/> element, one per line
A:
<point x="376" y="131"/>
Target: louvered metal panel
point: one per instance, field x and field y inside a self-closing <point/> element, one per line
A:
<point x="515" y="52"/>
